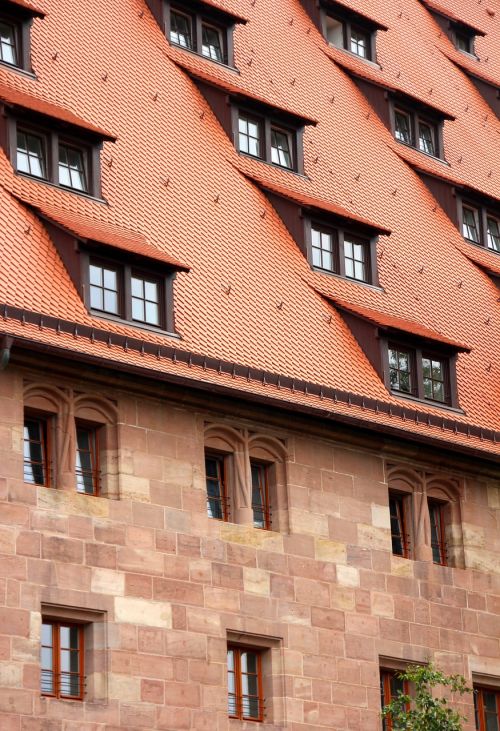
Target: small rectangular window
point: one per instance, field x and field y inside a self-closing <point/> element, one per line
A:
<point x="145" y="300"/>
<point x="401" y="374"/>
<point x="391" y="686"/>
<point x="281" y="148"/>
<point x="31" y="154"/>
<point x="360" y="43"/>
<point x="62" y="660"/>
<point x="355" y="258"/>
<point x="181" y="29"/>
<point x="87" y="460"/>
<point x="9" y="46"/>
<point x="403" y="127"/>
<point x="260" y="496"/>
<point x="487" y="709"/>
<point x="72" y="168"/>
<point x="36" y="463"/>
<point x="212" y="44"/>
<point x="493" y="230"/>
<point x="244" y="682"/>
<point x="426" y="138"/>
<point x="323" y="248"/>
<point x="249" y="136"/>
<point x="435" y="381"/>
<point x="104" y="288"/>
<point x="399" y="524"/>
<point x="217" y="500"/>
<point x="470" y="224"/>
<point x="438" y="539"/>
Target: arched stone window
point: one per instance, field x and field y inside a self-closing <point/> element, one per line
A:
<point x="95" y="446"/>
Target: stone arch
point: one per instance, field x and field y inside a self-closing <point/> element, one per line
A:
<point x="102" y="414"/>
<point x="232" y="445"/>
<point x="449" y="493"/>
<point x="273" y="453"/>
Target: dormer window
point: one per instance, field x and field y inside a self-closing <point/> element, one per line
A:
<point x="198" y="26"/>
<point x="412" y="127"/>
<point x="464" y="41"/>
<point x="15" y="28"/>
<point x="344" y="33"/>
<point x="480" y="225"/>
<point x="338" y="251"/>
<point x="264" y="138"/>
<point x="460" y="32"/>
<point x="50" y="144"/>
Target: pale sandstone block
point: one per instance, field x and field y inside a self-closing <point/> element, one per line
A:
<point x="493" y="497"/>
<point x="256" y="581"/>
<point x="35" y="626"/>
<point x="107" y="581"/>
<point x="401" y="566"/>
<point x="342" y="598"/>
<point x="334" y="551"/>
<point x="482" y="560"/>
<point x="11" y="675"/>
<point x="250" y="536"/>
<point x="124" y="687"/>
<point x="381" y="517"/>
<point x="134" y="488"/>
<point x="382" y="605"/>
<point x="177" y="472"/>
<point x="375" y="538"/>
<point x="143" y="612"/>
<point x="347" y="576"/>
<point x="473" y="535"/>
<point x="72" y="503"/>
<point x="313" y="524"/>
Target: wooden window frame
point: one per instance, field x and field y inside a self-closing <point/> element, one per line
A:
<point x="433" y="356"/>
<point x="93" y="430"/>
<point x="416" y="118"/>
<point x="479" y="709"/>
<point x="221" y="461"/>
<point x="439" y="506"/>
<point x="46" y="445"/>
<point x="402" y="499"/>
<point x="417" y="352"/>
<point x="267" y="123"/>
<point x="482" y="213"/>
<point x="239" y="714"/>
<point x="386" y="676"/>
<point x="56" y="659"/>
<point x="21" y="19"/>
<point x="412" y="371"/>
<point x="339" y="236"/>
<point x="348" y="24"/>
<point x="201" y="16"/>
<point x="286" y="132"/>
<point x="126" y="269"/>
<point x="177" y="11"/>
<point x="265" y="508"/>
<point x="52" y="141"/>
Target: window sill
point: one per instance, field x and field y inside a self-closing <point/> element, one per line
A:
<point x="432" y="157"/>
<point x="205" y="58"/>
<point x="376" y="287"/>
<point x="42" y="181"/>
<point x="482" y="246"/>
<point x="133" y="323"/>
<point x="18" y="70"/>
<point x="273" y="165"/>
<point x="374" y="64"/>
<point x="427" y="402"/>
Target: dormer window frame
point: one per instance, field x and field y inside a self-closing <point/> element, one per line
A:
<point x="460" y="33"/>
<point x="20" y="19"/>
<point x="267" y="123"/>
<point x="54" y="138"/>
<point x="418" y="119"/>
<point x="348" y="24"/>
<point x="201" y="16"/>
<point x="341" y="233"/>
<point x="483" y="216"/>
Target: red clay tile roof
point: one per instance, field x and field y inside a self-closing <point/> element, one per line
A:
<point x="27" y="6"/>
<point x="471" y="66"/>
<point x="438" y="8"/>
<point x="104" y="233"/>
<point x="486" y="259"/>
<point x="361" y="12"/>
<point x="225" y="8"/>
<point x="390" y="322"/>
<point x="309" y="201"/>
<point x="29" y="101"/>
<point x="251" y="297"/>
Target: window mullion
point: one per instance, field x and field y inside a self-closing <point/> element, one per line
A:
<point x="483" y="232"/>
<point x="56" y="660"/>
<point x="339" y="253"/>
<point x="419" y="372"/>
<point x="53" y="162"/>
<point x="126" y="295"/>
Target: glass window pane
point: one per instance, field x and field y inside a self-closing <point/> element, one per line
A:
<point x="327" y="261"/>
<point x="64" y="176"/>
<point x="95" y="275"/>
<point x="248" y="662"/>
<point x="138" y="309"/>
<point x="152" y="315"/>
<point x="428" y="388"/>
<point x="137" y="287"/>
<point x="402" y="127"/>
<point x="493" y="234"/>
<point x="110" y="280"/>
<point x="151" y="291"/>
<point x="46" y="658"/>
<point x="359" y="271"/>
<point x="438" y="392"/>
<point x="46" y="634"/>
<point x="96" y="298"/>
<point x="280" y="149"/>
<point x="180" y="30"/>
<point x="211" y="43"/>
<point x="110" y="302"/>
<point x="8" y="50"/>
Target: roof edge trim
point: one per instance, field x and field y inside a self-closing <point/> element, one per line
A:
<point x="31" y="9"/>
<point x="434" y="7"/>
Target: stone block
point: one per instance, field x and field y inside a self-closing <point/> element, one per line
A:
<point x="107" y="581"/>
<point x="143" y="612"/>
<point x="348" y="576"/>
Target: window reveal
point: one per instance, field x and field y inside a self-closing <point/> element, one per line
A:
<point x="399" y="532"/>
<point x="390" y="688"/>
<point x="36" y="470"/>
<point x="87" y="460"/>
<point x="9" y="52"/>
<point x="260" y="496"/>
<point x="244" y="682"/>
<point x="62" y="660"/>
<point x="217" y="500"/>
<point x="487" y="709"/>
<point x="181" y="29"/>
<point x="438" y="539"/>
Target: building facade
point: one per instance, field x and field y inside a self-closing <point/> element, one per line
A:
<point x="249" y="392"/>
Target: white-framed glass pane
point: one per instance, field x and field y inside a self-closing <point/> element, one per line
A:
<point x="211" y="43"/>
<point x="110" y="279"/>
<point x="110" y="301"/>
<point x="280" y="149"/>
<point x="151" y="291"/>
<point x="95" y="275"/>
<point x="402" y="127"/>
<point x="180" y="30"/>
<point x="152" y="314"/>
<point x="470" y="224"/>
<point x="426" y="138"/>
<point x="138" y="309"/>
<point x="137" y="287"/>
<point x="96" y="297"/>
<point x="493" y="234"/>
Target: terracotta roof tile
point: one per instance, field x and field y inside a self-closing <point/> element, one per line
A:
<point x="442" y="10"/>
<point x="29" y="101"/>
